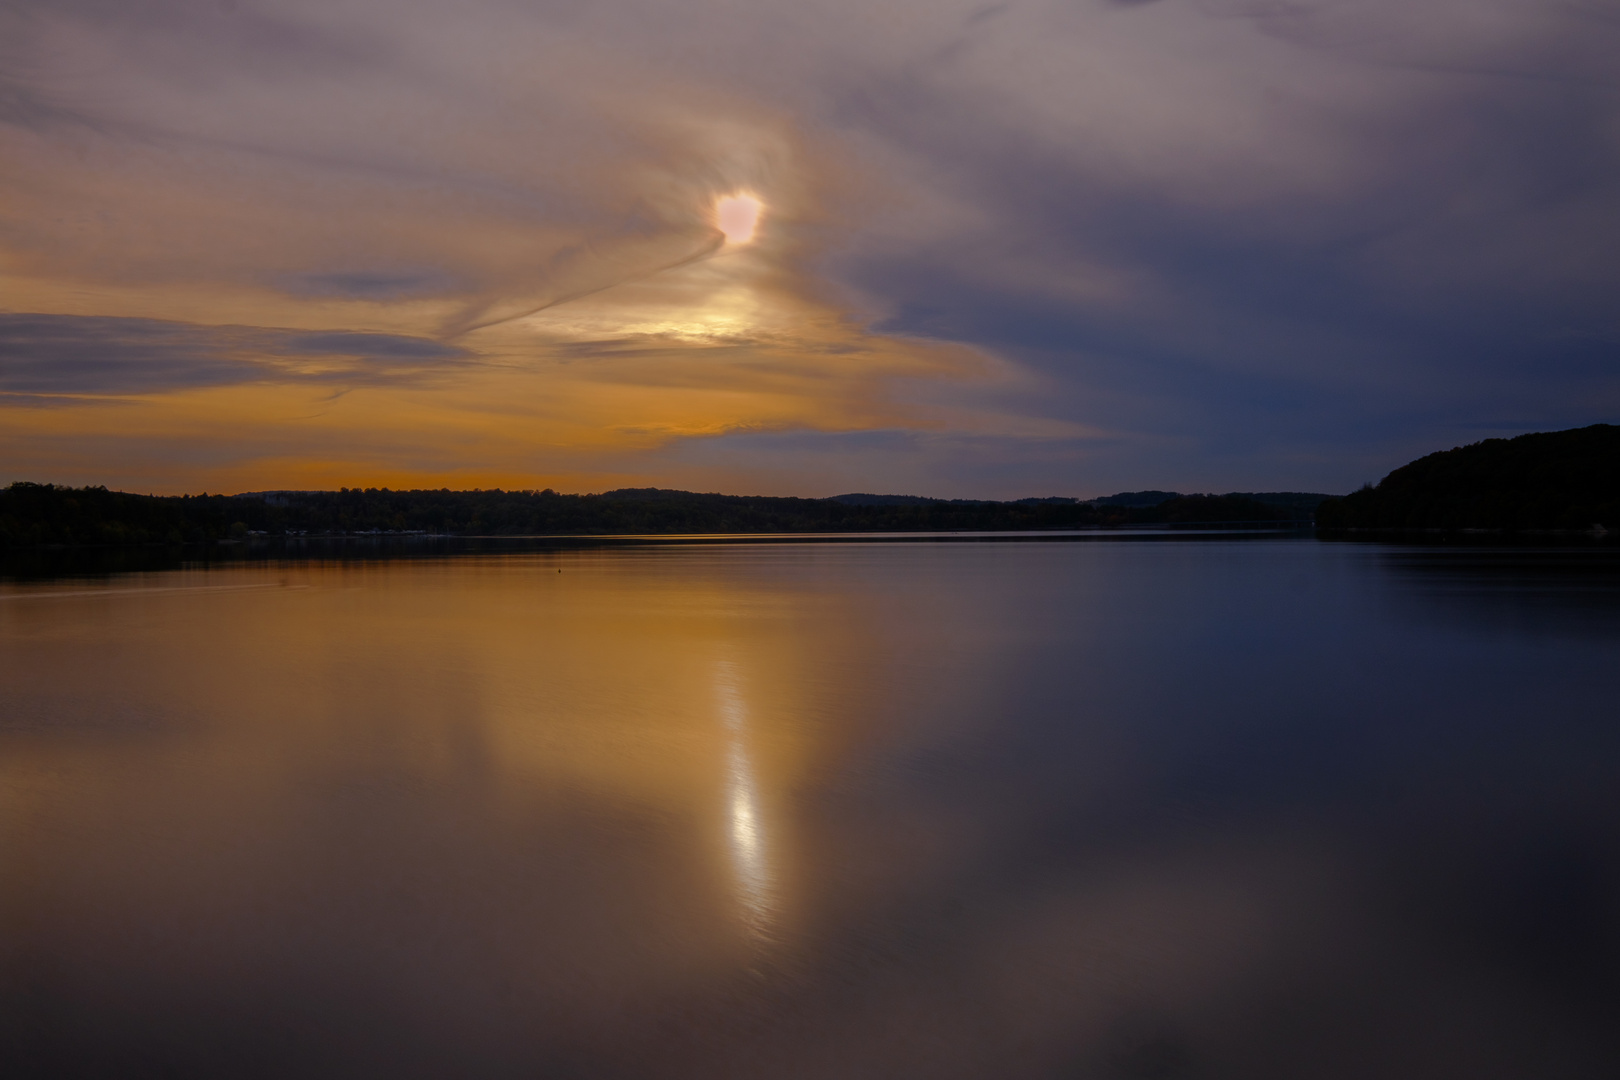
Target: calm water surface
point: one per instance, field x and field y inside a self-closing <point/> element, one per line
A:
<point x="1104" y="809"/>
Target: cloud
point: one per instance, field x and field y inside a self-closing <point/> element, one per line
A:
<point x="383" y="285"/>
<point x="55" y="359"/>
<point x="1296" y="240"/>
<point x="578" y="271"/>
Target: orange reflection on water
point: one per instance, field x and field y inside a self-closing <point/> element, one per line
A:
<point x="343" y="724"/>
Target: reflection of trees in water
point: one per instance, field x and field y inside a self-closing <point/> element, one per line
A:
<point x="1563" y="591"/>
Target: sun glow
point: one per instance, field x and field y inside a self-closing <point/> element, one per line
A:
<point x="738" y="216"/>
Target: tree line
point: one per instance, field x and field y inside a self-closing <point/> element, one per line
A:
<point x="1553" y="480"/>
<point x="42" y="514"/>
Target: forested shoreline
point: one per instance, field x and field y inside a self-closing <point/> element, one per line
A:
<point x="1564" y="481"/>
<point x="44" y="514"/>
<point x="1555" y="481"/>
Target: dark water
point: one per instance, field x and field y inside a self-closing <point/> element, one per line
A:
<point x="1108" y="809"/>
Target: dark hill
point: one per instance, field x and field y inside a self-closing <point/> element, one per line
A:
<point x="1549" y="480"/>
<point x="864" y="499"/>
<point x="1136" y="499"/>
<point x="1301" y="502"/>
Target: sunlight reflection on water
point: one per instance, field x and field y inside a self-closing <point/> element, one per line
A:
<point x="1267" y="809"/>
<point x="747" y="827"/>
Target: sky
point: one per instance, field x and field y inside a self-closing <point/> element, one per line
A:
<point x="1043" y="247"/>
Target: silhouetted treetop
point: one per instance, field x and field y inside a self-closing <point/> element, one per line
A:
<point x="1547" y="480"/>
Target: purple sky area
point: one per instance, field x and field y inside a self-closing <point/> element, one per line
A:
<point x="1002" y="250"/>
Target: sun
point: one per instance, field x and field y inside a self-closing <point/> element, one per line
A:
<point x="738" y="216"/>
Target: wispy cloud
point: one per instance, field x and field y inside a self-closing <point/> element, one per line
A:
<point x="69" y="359"/>
<point x="1292" y="243"/>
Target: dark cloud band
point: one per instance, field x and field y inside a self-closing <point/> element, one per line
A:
<point x="50" y="358"/>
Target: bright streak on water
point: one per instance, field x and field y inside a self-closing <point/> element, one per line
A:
<point x="745" y="827"/>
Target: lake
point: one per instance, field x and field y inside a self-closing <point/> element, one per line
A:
<point x="1103" y="808"/>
